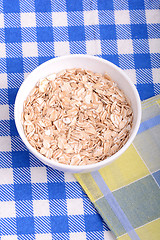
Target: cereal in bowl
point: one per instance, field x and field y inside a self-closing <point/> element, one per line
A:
<point x="77" y="117"/>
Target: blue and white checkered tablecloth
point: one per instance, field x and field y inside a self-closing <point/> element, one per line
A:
<point x="37" y="202"/>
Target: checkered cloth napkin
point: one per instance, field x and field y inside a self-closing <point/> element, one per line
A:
<point x="126" y="193"/>
<point x="37" y="202"/>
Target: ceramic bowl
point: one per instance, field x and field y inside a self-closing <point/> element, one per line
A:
<point x="87" y="62"/>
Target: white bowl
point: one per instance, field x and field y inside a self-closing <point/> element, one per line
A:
<point x="94" y="64"/>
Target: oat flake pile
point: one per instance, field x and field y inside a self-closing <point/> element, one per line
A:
<point x="77" y="117"/>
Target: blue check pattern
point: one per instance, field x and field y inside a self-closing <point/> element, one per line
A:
<point x="38" y="202"/>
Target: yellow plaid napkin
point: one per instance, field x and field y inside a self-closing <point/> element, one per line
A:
<point x="126" y="193"/>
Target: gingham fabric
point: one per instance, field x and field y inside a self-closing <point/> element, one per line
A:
<point x="126" y="193"/>
<point x="38" y="202"/>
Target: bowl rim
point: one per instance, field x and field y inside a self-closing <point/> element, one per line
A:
<point x="89" y="167"/>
